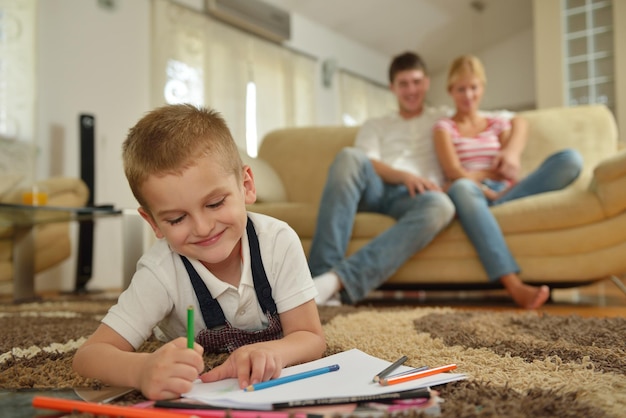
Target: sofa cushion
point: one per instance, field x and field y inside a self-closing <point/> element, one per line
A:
<point x="301" y="217"/>
<point x="269" y="187"/>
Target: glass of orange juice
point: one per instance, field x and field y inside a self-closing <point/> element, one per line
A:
<point x="35" y="196"/>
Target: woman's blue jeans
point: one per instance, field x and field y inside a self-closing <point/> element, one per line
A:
<point x="472" y="208"/>
<point x="353" y="186"/>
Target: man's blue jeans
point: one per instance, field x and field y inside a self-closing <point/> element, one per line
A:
<point x="556" y="172"/>
<point x="353" y="186"/>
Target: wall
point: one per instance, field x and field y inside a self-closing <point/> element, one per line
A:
<point x="96" y="61"/>
<point x="510" y="75"/>
<point x="548" y="27"/>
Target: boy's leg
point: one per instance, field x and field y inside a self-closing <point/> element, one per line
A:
<point x="557" y="172"/>
<point x="419" y="220"/>
<point x="351" y="181"/>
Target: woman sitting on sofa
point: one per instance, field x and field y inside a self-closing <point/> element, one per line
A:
<point x="471" y="149"/>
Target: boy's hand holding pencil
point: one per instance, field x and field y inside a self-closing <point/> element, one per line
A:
<point x="171" y="370"/>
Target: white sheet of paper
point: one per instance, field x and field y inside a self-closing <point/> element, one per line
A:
<point x="354" y="378"/>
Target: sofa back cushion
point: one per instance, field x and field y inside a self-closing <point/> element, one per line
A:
<point x="269" y="186"/>
<point x="301" y="156"/>
<point x="589" y="129"/>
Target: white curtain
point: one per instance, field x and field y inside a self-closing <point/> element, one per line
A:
<point x="17" y="69"/>
<point x="362" y="99"/>
<point x="200" y="60"/>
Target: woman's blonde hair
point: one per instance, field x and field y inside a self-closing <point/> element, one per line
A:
<point x="466" y="65"/>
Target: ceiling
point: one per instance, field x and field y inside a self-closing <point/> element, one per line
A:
<point x="438" y="30"/>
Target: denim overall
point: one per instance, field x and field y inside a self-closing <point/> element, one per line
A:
<point x="219" y="336"/>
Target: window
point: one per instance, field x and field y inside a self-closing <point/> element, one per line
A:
<point x="255" y="84"/>
<point x="589" y="52"/>
<point x="17" y="69"/>
<point x="184" y="84"/>
<point x="362" y="99"/>
<point x="252" y="139"/>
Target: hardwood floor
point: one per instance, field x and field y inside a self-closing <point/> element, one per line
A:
<point x="601" y="299"/>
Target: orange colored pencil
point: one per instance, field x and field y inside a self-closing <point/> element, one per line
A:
<point x="418" y="375"/>
<point x="67" y="405"/>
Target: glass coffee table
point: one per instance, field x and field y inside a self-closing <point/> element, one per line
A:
<point x="21" y="221"/>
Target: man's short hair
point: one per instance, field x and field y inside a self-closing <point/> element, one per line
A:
<point x="172" y="138"/>
<point x="406" y="61"/>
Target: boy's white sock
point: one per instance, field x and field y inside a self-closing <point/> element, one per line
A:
<point x="327" y="285"/>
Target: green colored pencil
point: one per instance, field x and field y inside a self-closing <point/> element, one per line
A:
<point x="190" y="333"/>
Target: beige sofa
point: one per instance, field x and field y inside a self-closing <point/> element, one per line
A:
<point x="562" y="238"/>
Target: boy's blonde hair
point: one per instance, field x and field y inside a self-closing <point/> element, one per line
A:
<point x="466" y="65"/>
<point x="172" y="138"/>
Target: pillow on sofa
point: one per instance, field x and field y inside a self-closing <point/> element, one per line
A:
<point x="269" y="187"/>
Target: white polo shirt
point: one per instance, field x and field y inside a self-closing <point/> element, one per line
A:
<point x="161" y="291"/>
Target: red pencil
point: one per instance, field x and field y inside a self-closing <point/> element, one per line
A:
<point x="418" y="375"/>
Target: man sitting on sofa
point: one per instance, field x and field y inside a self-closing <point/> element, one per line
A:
<point x="392" y="169"/>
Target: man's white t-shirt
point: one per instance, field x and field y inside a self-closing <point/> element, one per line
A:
<point x="161" y="290"/>
<point x="407" y="144"/>
<point x="404" y="144"/>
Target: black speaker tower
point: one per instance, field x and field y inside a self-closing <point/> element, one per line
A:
<point x="84" y="262"/>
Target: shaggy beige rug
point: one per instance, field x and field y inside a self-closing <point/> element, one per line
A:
<point x="518" y="364"/>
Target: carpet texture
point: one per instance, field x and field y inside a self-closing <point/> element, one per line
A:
<point x="518" y="364"/>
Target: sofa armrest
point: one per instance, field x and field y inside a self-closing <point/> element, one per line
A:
<point x="609" y="183"/>
<point x="611" y="168"/>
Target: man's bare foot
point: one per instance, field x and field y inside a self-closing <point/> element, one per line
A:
<point x="526" y="296"/>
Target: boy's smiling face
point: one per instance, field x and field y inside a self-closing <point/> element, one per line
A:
<point x="201" y="212"/>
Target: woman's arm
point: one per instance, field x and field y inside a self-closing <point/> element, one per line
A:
<point x="508" y="161"/>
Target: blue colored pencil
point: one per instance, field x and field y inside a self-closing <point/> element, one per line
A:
<point x="293" y="377"/>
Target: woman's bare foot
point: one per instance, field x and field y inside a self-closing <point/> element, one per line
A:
<point x="526" y="296"/>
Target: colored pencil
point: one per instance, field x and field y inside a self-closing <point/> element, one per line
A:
<point x="67" y="405"/>
<point x="418" y="375"/>
<point x="209" y="411"/>
<point x="292" y="378"/>
<point x="389" y="369"/>
<point x="190" y="332"/>
<point x="410" y="371"/>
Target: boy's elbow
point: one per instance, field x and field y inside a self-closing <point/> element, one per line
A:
<point x="321" y="345"/>
<point x="77" y="362"/>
